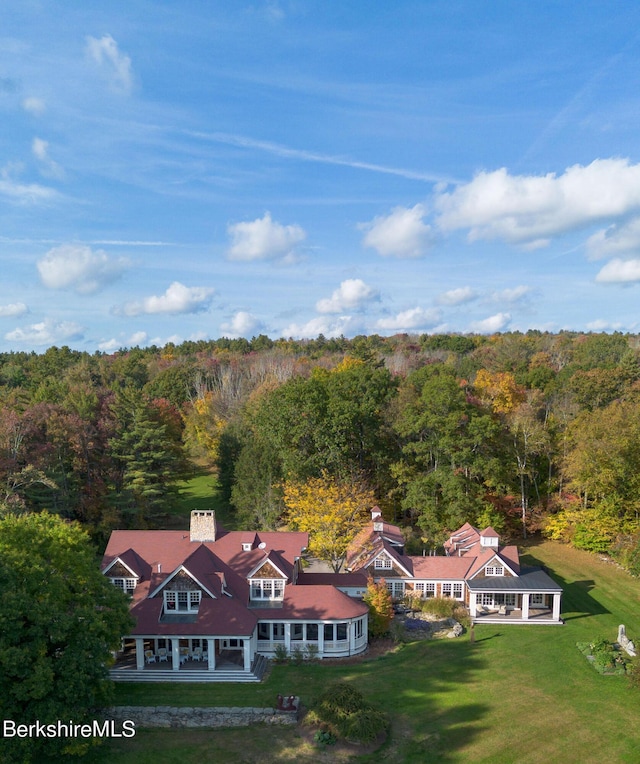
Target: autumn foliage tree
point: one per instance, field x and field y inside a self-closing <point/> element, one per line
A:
<point x="331" y="511"/>
<point x="378" y="598"/>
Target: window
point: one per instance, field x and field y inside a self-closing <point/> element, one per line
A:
<point x="127" y="585"/>
<point x="297" y="631"/>
<point x="183" y="602"/>
<point x="328" y="632"/>
<point x="312" y="632"/>
<point x="396" y="588"/>
<point x="457" y="591"/>
<point x="267" y="589"/>
<point x="446" y="590"/>
<point x="278" y="632"/>
<point x="426" y="590"/>
<point x="383" y="563"/>
<point x="536" y="598"/>
<point x="494" y="570"/>
<point x="359" y="627"/>
<point x="341" y="631"/>
<point x="264" y="631"/>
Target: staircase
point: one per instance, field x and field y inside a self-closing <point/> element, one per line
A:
<point x="258" y="668"/>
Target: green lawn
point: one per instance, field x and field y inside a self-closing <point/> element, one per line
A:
<point x="199" y="492"/>
<point x="519" y="694"/>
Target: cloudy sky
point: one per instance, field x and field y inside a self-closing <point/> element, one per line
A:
<point x="196" y="169"/>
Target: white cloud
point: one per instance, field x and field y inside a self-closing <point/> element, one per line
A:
<point x="23" y="193"/>
<point x="458" y="296"/>
<point x="600" y="325"/>
<point x="264" y="239"/>
<point x="242" y="324"/>
<point x="79" y="268"/>
<point x="491" y="324"/>
<point x="530" y="209"/>
<point x="137" y="338"/>
<point x="406" y="320"/>
<point x="619" y="271"/>
<point x="106" y="54"/>
<point x="351" y="294"/>
<point x="615" y="240"/>
<point x="176" y="300"/>
<point x="109" y="346"/>
<point x="13" y="310"/>
<point x="329" y="327"/>
<point x="47" y="332"/>
<point x="35" y="106"/>
<point x="516" y="294"/>
<point x="402" y="233"/>
<point x="40" y="150"/>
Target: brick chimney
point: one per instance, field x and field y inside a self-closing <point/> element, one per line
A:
<point x="203" y="525"/>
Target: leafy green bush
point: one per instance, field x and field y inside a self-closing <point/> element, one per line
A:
<point x="343" y="710"/>
<point x="297" y="656"/>
<point x="443" y="607"/>
<point x="280" y="654"/>
<point x="324" y="737"/>
<point x="605" y="658"/>
<point x="312" y="652"/>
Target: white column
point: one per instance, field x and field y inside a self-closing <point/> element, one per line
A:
<point x="247" y="654"/>
<point x="556" y="607"/>
<point x="525" y="606"/>
<point x="352" y="637"/>
<point x="139" y="654"/>
<point x="320" y="640"/>
<point x="287" y="636"/>
<point x="472" y="604"/>
<point x="175" y="653"/>
<point x="211" y="651"/>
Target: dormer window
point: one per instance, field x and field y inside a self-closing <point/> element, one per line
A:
<point x="267" y="588"/>
<point x="247" y="547"/>
<point x="182" y="602"/>
<point x="383" y="563"/>
<point x="494" y="570"/>
<point x="127" y="585"/>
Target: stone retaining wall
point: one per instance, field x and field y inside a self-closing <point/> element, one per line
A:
<point x="170" y="716"/>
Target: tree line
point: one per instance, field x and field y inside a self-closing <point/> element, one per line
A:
<point x="526" y="432"/>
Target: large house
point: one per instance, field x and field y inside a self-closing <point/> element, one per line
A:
<point x="208" y="602"/>
<point x="475" y="570"/>
<point x="213" y="600"/>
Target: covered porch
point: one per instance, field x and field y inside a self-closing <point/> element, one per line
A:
<point x="186" y="654"/>
<point x="532" y="597"/>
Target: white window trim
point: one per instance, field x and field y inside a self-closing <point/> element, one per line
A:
<point x="383" y="563"/>
<point x="494" y="570"/>
<point x="172" y="601"/>
<point x="127" y="585"/>
<point x="276" y="587"/>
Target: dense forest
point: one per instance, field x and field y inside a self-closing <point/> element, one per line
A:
<point x="526" y="432"/>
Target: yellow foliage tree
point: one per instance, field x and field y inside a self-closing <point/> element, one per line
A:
<point x="500" y="390"/>
<point x="330" y="511"/>
<point x="203" y="428"/>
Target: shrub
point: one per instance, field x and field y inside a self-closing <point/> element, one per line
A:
<point x="312" y="652"/>
<point x="324" y="737"/>
<point x="343" y="710"/>
<point x="297" y="656"/>
<point x="280" y="654"/>
<point x="378" y="598"/>
<point x="443" y="607"/>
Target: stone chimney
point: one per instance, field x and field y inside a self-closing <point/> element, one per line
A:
<point x="203" y="525"/>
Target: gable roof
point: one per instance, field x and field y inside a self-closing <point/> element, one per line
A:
<point x="488" y="554"/>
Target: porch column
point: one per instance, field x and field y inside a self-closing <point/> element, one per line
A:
<point x="211" y="652"/>
<point x="139" y="654"/>
<point x="352" y="637"/>
<point x="287" y="636"/>
<point x="472" y="604"/>
<point x="320" y="640"/>
<point x="247" y="654"/>
<point x="525" y="606"/>
<point x="556" y="607"/>
<point x="175" y="653"/>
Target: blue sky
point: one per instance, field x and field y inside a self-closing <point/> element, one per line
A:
<point x="174" y="171"/>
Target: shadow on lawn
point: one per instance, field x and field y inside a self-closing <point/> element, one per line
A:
<point x="577" y="601"/>
<point x="416" y="686"/>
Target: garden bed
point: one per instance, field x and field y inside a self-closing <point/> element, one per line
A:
<point x="605" y="657"/>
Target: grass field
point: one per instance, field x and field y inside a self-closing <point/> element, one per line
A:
<point x="519" y="694"/>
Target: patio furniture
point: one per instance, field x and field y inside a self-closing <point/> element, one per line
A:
<point x="502" y="610"/>
<point x="184" y="655"/>
<point x="162" y="654"/>
<point x="197" y="654"/>
<point x="149" y="656"/>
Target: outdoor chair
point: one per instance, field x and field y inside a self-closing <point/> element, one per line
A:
<point x="162" y="654"/>
<point x="197" y="654"/>
<point x="149" y="656"/>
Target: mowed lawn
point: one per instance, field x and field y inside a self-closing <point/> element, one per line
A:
<point x="519" y="694"/>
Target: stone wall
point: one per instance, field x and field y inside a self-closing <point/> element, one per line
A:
<point x="169" y="716"/>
